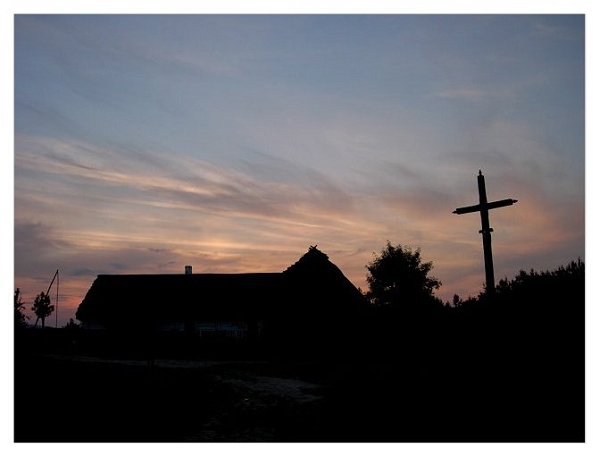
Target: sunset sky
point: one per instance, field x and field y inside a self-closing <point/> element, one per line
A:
<point x="144" y="143"/>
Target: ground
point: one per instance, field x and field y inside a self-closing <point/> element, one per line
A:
<point x="98" y="400"/>
<point x="62" y="396"/>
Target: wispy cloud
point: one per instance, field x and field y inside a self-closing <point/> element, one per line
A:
<point x="545" y="28"/>
<point x="183" y="182"/>
<point x="463" y="93"/>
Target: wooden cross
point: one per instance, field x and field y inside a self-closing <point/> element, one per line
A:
<point x="483" y="207"/>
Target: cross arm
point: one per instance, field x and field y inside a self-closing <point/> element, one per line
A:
<point x="481" y="207"/>
<point x="501" y="203"/>
<point x="467" y="209"/>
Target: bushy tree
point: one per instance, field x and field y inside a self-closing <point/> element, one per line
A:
<point x="42" y="308"/>
<point x="20" y="317"/>
<point x="398" y="277"/>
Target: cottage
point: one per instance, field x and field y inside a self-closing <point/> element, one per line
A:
<point x="311" y="300"/>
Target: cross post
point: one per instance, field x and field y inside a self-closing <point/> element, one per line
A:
<point x="486" y="232"/>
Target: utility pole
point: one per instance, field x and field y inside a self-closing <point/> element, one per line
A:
<point x="57" y="278"/>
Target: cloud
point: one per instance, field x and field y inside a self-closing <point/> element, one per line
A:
<point x="546" y="28"/>
<point x="188" y="183"/>
<point x="130" y="208"/>
<point x="82" y="272"/>
<point x="34" y="244"/>
<point x="464" y="94"/>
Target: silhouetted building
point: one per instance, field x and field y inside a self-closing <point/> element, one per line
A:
<point x="310" y="303"/>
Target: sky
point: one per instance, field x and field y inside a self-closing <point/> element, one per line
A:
<point x="233" y="142"/>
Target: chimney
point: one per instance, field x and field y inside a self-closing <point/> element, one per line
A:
<point x="188" y="270"/>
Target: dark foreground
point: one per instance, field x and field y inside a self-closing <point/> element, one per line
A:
<point x="65" y="397"/>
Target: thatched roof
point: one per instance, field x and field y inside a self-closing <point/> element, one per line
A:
<point x="319" y="277"/>
<point x="313" y="282"/>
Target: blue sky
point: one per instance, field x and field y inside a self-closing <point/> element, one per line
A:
<point x="232" y="142"/>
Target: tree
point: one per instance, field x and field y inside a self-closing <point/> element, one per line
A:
<point x="42" y="308"/>
<point x="72" y="325"/>
<point x="20" y="317"/>
<point x="398" y="278"/>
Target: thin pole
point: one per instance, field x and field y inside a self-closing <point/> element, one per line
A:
<point x="57" y="284"/>
<point x="48" y="293"/>
<point x="486" y="233"/>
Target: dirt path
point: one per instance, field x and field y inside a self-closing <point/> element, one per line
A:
<point x="175" y="400"/>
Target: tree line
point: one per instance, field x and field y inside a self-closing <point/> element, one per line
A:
<point x="398" y="278"/>
<point x="42" y="309"/>
<point x="400" y="281"/>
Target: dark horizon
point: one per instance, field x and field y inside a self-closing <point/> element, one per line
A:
<point x="311" y="365"/>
